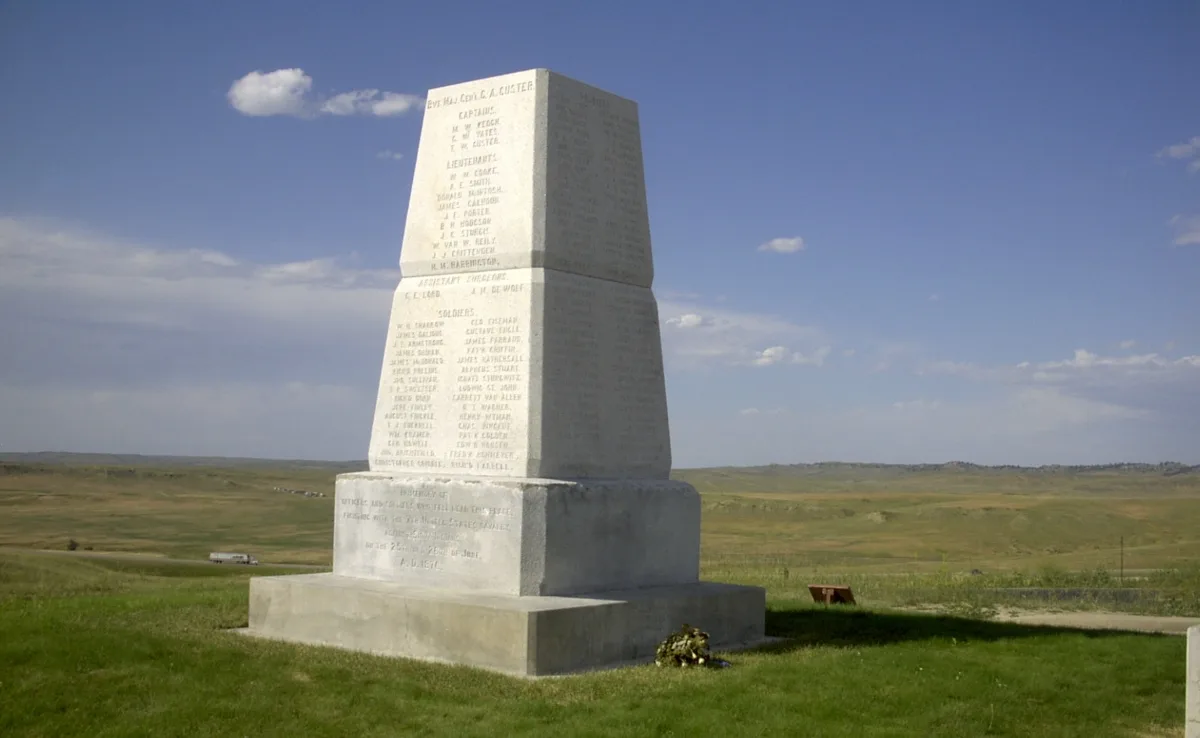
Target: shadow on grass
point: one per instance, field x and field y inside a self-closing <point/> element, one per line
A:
<point x="807" y="627"/>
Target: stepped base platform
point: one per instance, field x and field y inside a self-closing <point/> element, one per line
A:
<point x="523" y="636"/>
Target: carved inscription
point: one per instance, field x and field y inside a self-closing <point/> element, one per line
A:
<point x="457" y="375"/>
<point x="471" y="206"/>
<point x="455" y="391"/>
<point x="425" y="529"/>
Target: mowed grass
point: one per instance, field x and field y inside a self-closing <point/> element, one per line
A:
<point x="101" y="649"/>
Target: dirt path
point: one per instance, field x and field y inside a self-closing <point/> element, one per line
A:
<point x="1101" y="621"/>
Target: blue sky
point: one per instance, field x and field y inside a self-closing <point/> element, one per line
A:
<point x="998" y="214"/>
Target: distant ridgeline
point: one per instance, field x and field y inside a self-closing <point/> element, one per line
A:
<point x="136" y="460"/>
<point x="1165" y="468"/>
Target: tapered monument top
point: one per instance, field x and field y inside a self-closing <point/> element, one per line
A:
<point x="530" y="169"/>
<point x="524" y="339"/>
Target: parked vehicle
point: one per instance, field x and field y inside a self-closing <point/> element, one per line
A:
<point x="232" y="558"/>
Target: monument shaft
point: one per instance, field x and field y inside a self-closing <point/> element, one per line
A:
<point x="524" y="339"/>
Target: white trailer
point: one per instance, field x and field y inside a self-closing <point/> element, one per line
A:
<point x="232" y="558"/>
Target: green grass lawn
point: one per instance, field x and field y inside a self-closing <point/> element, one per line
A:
<point x="103" y="648"/>
<point x="140" y="645"/>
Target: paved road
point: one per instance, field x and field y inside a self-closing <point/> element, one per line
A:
<point x="148" y="558"/>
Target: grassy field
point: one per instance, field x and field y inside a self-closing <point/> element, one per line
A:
<point x="898" y="536"/>
<point x="99" y="648"/>
<point x="137" y="643"/>
<point x="173" y="512"/>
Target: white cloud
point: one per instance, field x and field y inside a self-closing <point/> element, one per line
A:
<point x="370" y="102"/>
<point x="287" y="92"/>
<point x="1128" y="344"/>
<point x="1187" y="230"/>
<point x="268" y="418"/>
<point x="282" y="92"/>
<point x="696" y="335"/>
<point x="689" y="320"/>
<point x="108" y="343"/>
<point x="769" y="356"/>
<point x="783" y="245"/>
<point x="816" y="358"/>
<point x="781" y="354"/>
<point x="1136" y="384"/>
<point x="1026" y="425"/>
<point x="102" y="314"/>
<point x="1183" y="151"/>
<point x="389" y="155"/>
<point x="125" y="282"/>
<point x="113" y="342"/>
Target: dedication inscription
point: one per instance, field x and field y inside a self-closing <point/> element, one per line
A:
<point x="435" y="535"/>
<point x="454" y="393"/>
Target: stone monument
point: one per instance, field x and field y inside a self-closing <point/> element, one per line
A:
<point x="518" y="514"/>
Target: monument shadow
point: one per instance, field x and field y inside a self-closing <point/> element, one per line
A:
<point x="806" y="627"/>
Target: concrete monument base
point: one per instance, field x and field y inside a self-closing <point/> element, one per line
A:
<point x="503" y="536"/>
<point x="524" y="636"/>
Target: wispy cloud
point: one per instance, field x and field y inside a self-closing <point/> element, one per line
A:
<point x="782" y="355"/>
<point x="95" y="309"/>
<point x="783" y="245"/>
<point x="389" y="155"/>
<point x="1026" y="425"/>
<point x="1187" y="230"/>
<point x="1127" y="344"/>
<point x="698" y="335"/>
<point x="909" y="405"/>
<point x="752" y="411"/>
<point x="1187" y="151"/>
<point x="689" y="320"/>
<point x="113" y="343"/>
<point x="1141" y="383"/>
<point x="288" y="92"/>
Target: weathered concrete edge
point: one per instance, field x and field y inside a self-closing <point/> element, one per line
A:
<point x="726" y="649"/>
<point x="538" y="636"/>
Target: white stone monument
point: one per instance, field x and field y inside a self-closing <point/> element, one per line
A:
<point x="518" y="513"/>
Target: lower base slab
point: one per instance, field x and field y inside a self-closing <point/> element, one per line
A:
<point x="525" y="636"/>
